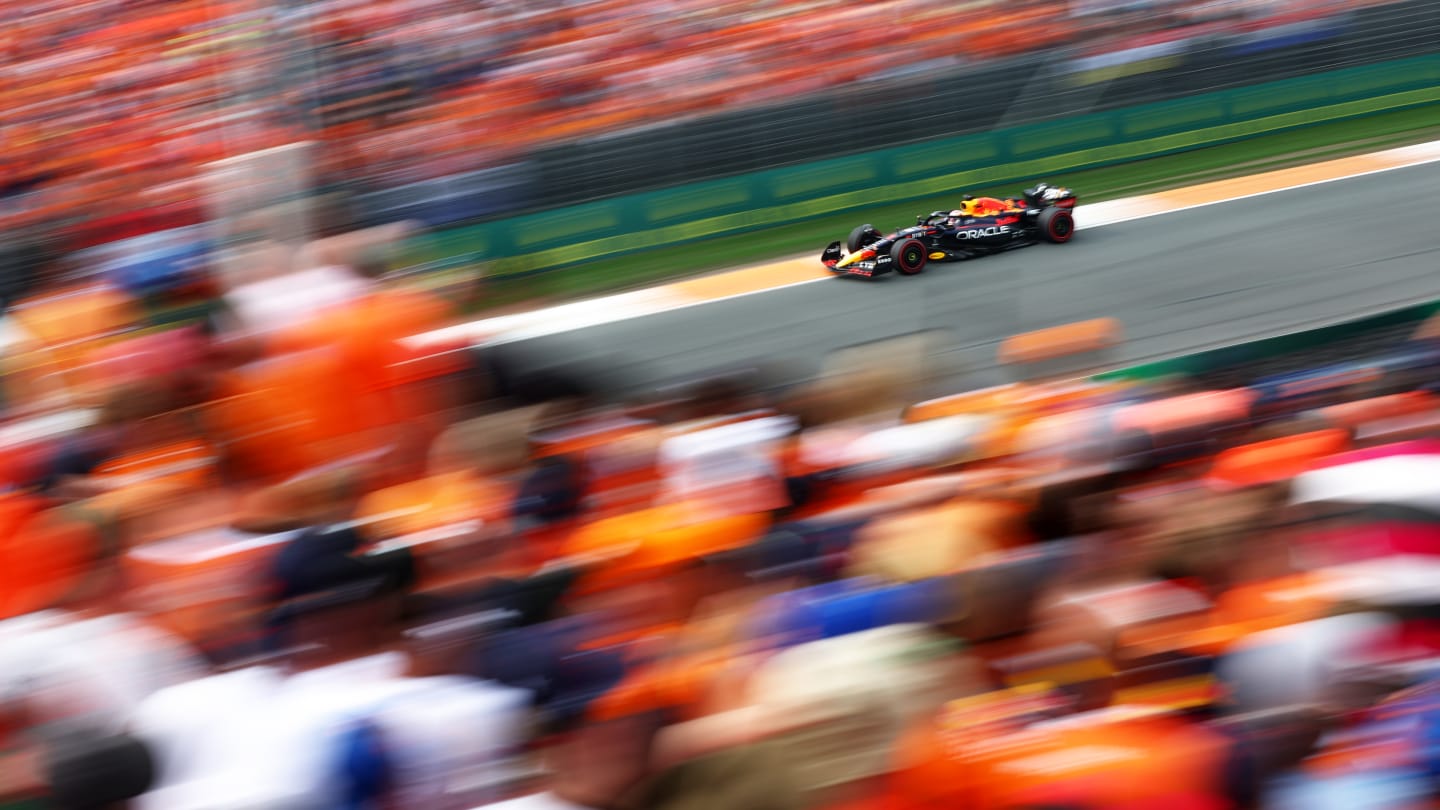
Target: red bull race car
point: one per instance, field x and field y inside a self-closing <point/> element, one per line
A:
<point x="979" y="226"/>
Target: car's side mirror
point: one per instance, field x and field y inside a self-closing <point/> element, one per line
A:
<point x="920" y="220"/>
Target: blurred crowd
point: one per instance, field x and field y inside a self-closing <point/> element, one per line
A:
<point x="283" y="554"/>
<point x="294" y="557"/>
<point x="111" y="105"/>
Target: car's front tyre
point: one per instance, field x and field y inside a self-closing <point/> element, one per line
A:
<point x="858" y="237"/>
<point x="910" y="256"/>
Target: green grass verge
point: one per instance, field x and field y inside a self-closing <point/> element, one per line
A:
<point x="1258" y="154"/>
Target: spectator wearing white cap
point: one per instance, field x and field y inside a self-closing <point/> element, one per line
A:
<point x="338" y="722"/>
<point x="70" y="668"/>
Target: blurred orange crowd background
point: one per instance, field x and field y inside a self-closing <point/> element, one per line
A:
<point x="114" y="104"/>
<point x="1016" y="518"/>
<point x="1097" y="545"/>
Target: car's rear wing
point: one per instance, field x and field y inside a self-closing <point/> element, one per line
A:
<point x="1044" y="195"/>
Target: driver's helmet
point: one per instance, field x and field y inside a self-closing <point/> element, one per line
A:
<point x="955" y="217"/>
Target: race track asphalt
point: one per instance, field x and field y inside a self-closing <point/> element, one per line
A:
<point x="1177" y="282"/>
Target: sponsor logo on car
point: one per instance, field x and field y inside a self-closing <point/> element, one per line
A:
<point x="981" y="233"/>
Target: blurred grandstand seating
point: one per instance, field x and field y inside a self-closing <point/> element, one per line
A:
<point x="112" y="105"/>
<point x="1169" y="559"/>
<point x="1149" y="556"/>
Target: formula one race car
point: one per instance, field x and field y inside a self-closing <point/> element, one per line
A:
<point x="979" y="226"/>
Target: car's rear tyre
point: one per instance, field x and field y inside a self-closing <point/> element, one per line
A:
<point x="856" y="239"/>
<point x="910" y="256"/>
<point x="1057" y="224"/>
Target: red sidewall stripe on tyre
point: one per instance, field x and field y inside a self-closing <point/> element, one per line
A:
<point x="907" y="249"/>
<point x="1063" y="232"/>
